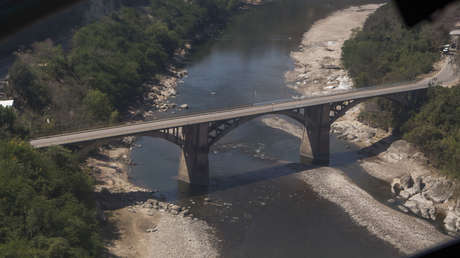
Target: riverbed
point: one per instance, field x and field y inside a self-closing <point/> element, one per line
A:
<point x="261" y="201"/>
<point x="277" y="209"/>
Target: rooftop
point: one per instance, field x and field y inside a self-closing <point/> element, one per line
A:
<point x="6" y="103"/>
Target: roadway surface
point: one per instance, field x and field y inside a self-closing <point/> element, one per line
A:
<point x="446" y="74"/>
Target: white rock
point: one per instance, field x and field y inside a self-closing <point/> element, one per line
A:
<point x="404" y="194"/>
<point x="419" y="205"/>
<point x="450" y="222"/>
<point x="440" y="191"/>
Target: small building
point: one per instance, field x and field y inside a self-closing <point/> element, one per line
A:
<point x="7" y="103"/>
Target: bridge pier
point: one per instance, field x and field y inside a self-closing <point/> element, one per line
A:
<point x="194" y="163"/>
<point x="314" y="148"/>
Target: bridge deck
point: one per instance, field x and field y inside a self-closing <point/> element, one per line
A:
<point x="256" y="109"/>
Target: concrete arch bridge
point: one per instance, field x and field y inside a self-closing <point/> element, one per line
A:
<point x="196" y="133"/>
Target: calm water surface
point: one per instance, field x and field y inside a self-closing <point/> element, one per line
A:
<point x="268" y="212"/>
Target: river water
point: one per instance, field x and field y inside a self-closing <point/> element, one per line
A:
<point x="258" y="207"/>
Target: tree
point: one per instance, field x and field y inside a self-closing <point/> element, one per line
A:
<point x="46" y="209"/>
<point x="98" y="105"/>
<point x="26" y="86"/>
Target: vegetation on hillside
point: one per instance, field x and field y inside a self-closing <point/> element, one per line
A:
<point x="46" y="206"/>
<point x="436" y="128"/>
<point x="108" y="62"/>
<point x="386" y="51"/>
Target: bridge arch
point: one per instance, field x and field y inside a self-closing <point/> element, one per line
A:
<point x="219" y="129"/>
<point x="172" y="135"/>
<point x="338" y="109"/>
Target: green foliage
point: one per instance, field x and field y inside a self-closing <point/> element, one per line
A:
<point x="109" y="60"/>
<point x="8" y="124"/>
<point x="7" y="117"/>
<point x="45" y="204"/>
<point x="386" y="51"/>
<point x="436" y="128"/>
<point x="27" y="87"/>
<point x="98" y="105"/>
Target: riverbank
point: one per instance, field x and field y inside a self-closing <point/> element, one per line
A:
<point x="138" y="222"/>
<point x="318" y="59"/>
<point x="318" y="64"/>
<point x="159" y="229"/>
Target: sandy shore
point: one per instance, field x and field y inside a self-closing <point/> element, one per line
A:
<point x="319" y="71"/>
<point x="149" y="232"/>
<point x="175" y="234"/>
<point x="318" y="68"/>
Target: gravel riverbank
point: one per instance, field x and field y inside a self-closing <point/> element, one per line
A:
<point x="144" y="226"/>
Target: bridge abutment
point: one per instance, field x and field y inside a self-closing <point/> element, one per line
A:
<point x="314" y="148"/>
<point x="194" y="163"/>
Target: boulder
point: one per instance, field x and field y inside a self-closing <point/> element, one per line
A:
<point x="396" y="186"/>
<point x="413" y="191"/>
<point x="440" y="191"/>
<point x="412" y="206"/>
<point x="416" y="186"/>
<point x="184" y="106"/>
<point x="129" y="140"/>
<point x="406" y="181"/>
<point x="456" y="208"/>
<point x="421" y="206"/>
<point x="451" y="221"/>
<point x="404" y="194"/>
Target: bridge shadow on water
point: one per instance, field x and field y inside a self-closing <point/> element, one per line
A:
<point x="223" y="183"/>
<point x="114" y="201"/>
<point x="339" y="159"/>
<point x="353" y="153"/>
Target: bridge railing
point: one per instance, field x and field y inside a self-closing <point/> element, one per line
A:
<point x="64" y="130"/>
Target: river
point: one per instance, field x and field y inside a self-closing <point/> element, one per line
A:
<point x="258" y="208"/>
